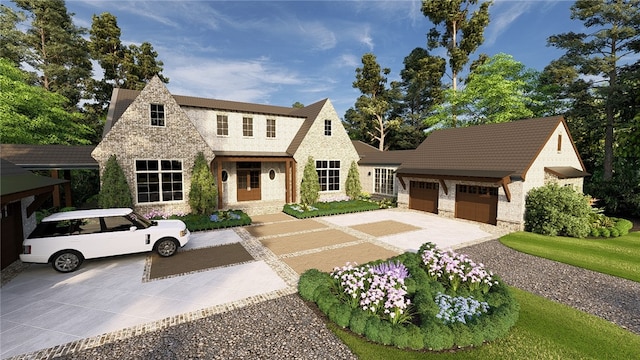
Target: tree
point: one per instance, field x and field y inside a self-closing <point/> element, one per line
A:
<point x="615" y="35"/>
<point x="297" y="105"/>
<point x="31" y="115"/>
<point x="114" y="192"/>
<point x="496" y="91"/>
<point x="310" y="187"/>
<point x="457" y="30"/>
<point x="13" y="40"/>
<point x="141" y="64"/>
<point x="352" y="186"/>
<point x="373" y="105"/>
<point x="58" y="52"/>
<point x="203" y="195"/>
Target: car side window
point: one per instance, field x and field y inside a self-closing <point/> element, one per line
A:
<point x="50" y="229"/>
<point x="86" y="226"/>
<point x="117" y="223"/>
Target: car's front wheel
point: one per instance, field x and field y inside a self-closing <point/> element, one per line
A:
<point x="67" y="261"/>
<point x="166" y="247"/>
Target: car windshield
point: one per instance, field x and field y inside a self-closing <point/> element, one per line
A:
<point x="139" y="219"/>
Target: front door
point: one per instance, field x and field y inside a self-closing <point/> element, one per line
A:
<point x="248" y="181"/>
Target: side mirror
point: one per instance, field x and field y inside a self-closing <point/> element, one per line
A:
<point x="133" y="228"/>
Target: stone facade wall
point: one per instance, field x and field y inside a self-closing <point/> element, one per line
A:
<point x="338" y="146"/>
<point x="134" y="138"/>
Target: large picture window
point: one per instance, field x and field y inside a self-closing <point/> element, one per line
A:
<point x="157" y="115"/>
<point x="383" y="181"/>
<point x="222" y="125"/>
<point x="328" y="174"/>
<point x="159" y="180"/>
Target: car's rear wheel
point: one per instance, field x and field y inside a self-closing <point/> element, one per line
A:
<point x="166" y="247"/>
<point x="67" y="261"/>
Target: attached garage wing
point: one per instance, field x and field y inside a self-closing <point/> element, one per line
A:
<point x="477" y="203"/>
<point x="424" y="196"/>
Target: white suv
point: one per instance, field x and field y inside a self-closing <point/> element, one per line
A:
<point x="67" y="238"/>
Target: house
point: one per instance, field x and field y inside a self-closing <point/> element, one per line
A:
<point x="483" y="173"/>
<point x="378" y="169"/>
<point x="256" y="152"/>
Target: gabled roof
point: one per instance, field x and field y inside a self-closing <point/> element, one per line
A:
<point x="45" y="157"/>
<point x="493" y="150"/>
<point x="370" y="155"/>
<point x="310" y="113"/>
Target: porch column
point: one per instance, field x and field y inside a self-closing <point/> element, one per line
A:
<point x="218" y="170"/>
<point x="67" y="188"/>
<point x="287" y="180"/>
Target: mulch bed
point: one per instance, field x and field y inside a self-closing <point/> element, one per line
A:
<point x="329" y="259"/>
<point x="286" y="227"/>
<point x="384" y="228"/>
<point x="198" y="259"/>
<point x="300" y="242"/>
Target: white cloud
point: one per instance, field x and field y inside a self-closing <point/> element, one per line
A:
<point x="319" y="35"/>
<point x="502" y="15"/>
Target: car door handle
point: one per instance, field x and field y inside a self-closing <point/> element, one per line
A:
<point x="148" y="240"/>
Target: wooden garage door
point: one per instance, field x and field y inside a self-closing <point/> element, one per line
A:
<point x="423" y="196"/>
<point x="11" y="239"/>
<point x="477" y="203"/>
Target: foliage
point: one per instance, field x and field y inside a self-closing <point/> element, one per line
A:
<point x="31" y="115"/>
<point x="13" y="46"/>
<point x="203" y="222"/>
<point x="310" y="187"/>
<point x="114" y="192"/>
<point x="557" y="210"/>
<point x="203" y="195"/>
<point x="352" y="186"/>
<point x="376" y="290"/>
<point x="614" y="256"/>
<point x="329" y="208"/>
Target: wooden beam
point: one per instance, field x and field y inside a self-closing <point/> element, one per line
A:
<point x="444" y="186"/>
<point x="404" y="186"/>
<point x="56" y="189"/>
<point x="505" y="185"/>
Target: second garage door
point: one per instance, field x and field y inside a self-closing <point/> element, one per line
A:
<point x="477" y="203"/>
<point x="423" y="196"/>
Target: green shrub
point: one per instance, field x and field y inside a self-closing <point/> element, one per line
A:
<point x="196" y="222"/>
<point x="203" y="194"/>
<point x="329" y="208"/>
<point x="399" y="336"/>
<point x="340" y="314"/>
<point x="114" y="192"/>
<point x="310" y="187"/>
<point x="604" y="232"/>
<point x="358" y="321"/>
<point x="352" y="186"/>
<point x="372" y="329"/>
<point x="623" y="226"/>
<point x="309" y="281"/>
<point x="415" y="337"/>
<point x="557" y="210"/>
<point x="385" y="333"/>
<point x="595" y="232"/>
<point x="614" y="232"/>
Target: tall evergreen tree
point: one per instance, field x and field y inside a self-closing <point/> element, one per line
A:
<point x="203" y="195"/>
<point x="13" y="40"/>
<point x="458" y="29"/>
<point x="114" y="192"/>
<point x="352" y="187"/>
<point x="310" y="187"/>
<point x="614" y="36"/>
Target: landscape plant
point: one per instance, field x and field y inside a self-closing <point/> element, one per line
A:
<point x="557" y="210"/>
<point x="114" y="192"/>
<point x="352" y="186"/>
<point x="310" y="186"/>
<point x="203" y="195"/>
<point x="201" y="222"/>
<point x="301" y="211"/>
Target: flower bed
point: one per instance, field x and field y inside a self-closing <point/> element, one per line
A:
<point x="217" y="220"/>
<point x="329" y="208"/>
<point x="427" y="300"/>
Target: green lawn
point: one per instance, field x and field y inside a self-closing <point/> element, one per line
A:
<point x="618" y="256"/>
<point x="545" y="330"/>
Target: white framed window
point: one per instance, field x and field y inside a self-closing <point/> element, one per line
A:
<point x="328" y="174"/>
<point x="222" y="125"/>
<point x="247" y="126"/>
<point x="271" y="128"/>
<point x="159" y="181"/>
<point x="327" y="127"/>
<point x="157" y="114"/>
<point x="383" y="181"/>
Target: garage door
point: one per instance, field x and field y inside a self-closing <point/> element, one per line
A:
<point x="423" y="196"/>
<point x="477" y="203"/>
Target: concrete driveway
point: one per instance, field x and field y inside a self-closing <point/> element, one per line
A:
<point x="44" y="312"/>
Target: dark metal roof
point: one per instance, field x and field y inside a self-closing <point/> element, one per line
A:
<point x="506" y="148"/>
<point x="16" y="180"/>
<point x="566" y="172"/>
<point x="49" y="157"/>
<point x="370" y="155"/>
<point x="255" y="153"/>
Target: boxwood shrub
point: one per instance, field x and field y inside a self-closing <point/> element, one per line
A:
<point x="424" y="329"/>
<point x="329" y="208"/>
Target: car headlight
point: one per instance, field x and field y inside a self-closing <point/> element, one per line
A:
<point x="183" y="232"/>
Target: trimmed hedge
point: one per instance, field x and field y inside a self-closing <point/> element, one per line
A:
<point x="196" y="222"/>
<point x="330" y="208"/>
<point x="425" y="330"/>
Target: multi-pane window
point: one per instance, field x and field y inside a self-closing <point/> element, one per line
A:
<point x="383" y="181"/>
<point x="159" y="180"/>
<point x="157" y="115"/>
<point x="247" y="126"/>
<point x="328" y="174"/>
<point x="327" y="127"/>
<point x="271" y="128"/>
<point x="222" y="125"/>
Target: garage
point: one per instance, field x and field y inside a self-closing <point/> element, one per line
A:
<point x="424" y="196"/>
<point x="477" y="203"/>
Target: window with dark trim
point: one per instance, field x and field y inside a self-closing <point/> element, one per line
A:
<point x="157" y="115"/>
<point x="271" y="128"/>
<point x="327" y="127"/>
<point x="247" y="126"/>
<point x="328" y="174"/>
<point x="222" y="125"/>
<point x="159" y="180"/>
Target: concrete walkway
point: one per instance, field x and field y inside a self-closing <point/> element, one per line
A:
<point x="44" y="312"/>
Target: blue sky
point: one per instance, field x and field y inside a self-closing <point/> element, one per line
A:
<point x="280" y="52"/>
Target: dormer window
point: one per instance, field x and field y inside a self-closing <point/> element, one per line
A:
<point x="327" y="127"/>
<point x="157" y="115"/>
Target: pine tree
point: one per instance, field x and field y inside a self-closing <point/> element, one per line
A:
<point x="115" y="191"/>
<point x="310" y="187"/>
<point x="352" y="186"/>
<point x="203" y="194"/>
